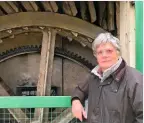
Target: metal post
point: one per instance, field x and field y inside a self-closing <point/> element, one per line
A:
<point x="139" y="35"/>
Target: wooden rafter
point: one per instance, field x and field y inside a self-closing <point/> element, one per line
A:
<point x="73" y="8"/>
<point x="34" y="5"/>
<point x="1" y="13"/>
<point x="27" y="5"/>
<point x="83" y="10"/>
<point x="66" y="8"/>
<point x="14" y="7"/>
<point x="46" y="67"/>
<point x="6" y="7"/>
<point x="118" y="18"/>
<point x="47" y="6"/>
<point x="54" y="6"/>
<point x="102" y="14"/>
<point x="110" y="21"/>
<point x="92" y="11"/>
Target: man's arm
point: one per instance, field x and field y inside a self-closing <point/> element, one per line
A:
<point x="78" y="97"/>
<point x="81" y="90"/>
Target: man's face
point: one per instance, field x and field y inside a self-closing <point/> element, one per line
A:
<point x="106" y="55"/>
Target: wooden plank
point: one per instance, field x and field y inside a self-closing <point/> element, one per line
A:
<point x="47" y="6"/>
<point x="14" y="7"/>
<point x="6" y="7"/>
<point x="73" y="8"/>
<point x="54" y="6"/>
<point x="27" y="5"/>
<point x="66" y="8"/>
<point x="118" y="18"/>
<point x="46" y="67"/>
<point x="110" y="22"/>
<point x="34" y="5"/>
<point x="92" y="11"/>
<point x="1" y="13"/>
<point x="102" y="12"/>
<point x="18" y="114"/>
<point x="83" y="10"/>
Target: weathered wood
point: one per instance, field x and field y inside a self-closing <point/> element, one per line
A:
<point x="1" y="13"/>
<point x="66" y="8"/>
<point x="14" y="7"/>
<point x="46" y="67"/>
<point x="6" y="7"/>
<point x="47" y="6"/>
<point x="92" y="11"/>
<point x="49" y="19"/>
<point x="18" y="114"/>
<point x="34" y="5"/>
<point x="102" y="12"/>
<point x="118" y="18"/>
<point x="110" y="21"/>
<point x="54" y="6"/>
<point x="83" y="10"/>
<point x="83" y="40"/>
<point x="73" y="8"/>
<point x="27" y="5"/>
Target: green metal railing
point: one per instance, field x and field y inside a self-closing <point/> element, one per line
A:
<point x="35" y="101"/>
<point x="139" y="35"/>
<point x="22" y="109"/>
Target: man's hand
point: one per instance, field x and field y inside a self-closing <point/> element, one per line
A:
<point x="78" y="110"/>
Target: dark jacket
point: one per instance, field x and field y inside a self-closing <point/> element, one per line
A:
<point x="119" y="99"/>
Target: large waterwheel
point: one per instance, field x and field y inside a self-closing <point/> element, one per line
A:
<point x="48" y="53"/>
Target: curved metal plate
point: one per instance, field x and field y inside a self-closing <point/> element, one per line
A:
<point x="49" y="19"/>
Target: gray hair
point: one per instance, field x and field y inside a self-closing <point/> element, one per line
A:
<point x="106" y="37"/>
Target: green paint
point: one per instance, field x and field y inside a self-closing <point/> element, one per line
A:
<point x="34" y="101"/>
<point x="139" y="35"/>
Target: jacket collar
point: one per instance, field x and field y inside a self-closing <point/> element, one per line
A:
<point x="118" y="74"/>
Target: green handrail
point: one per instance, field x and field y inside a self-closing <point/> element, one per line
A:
<point x="34" y="101"/>
<point x="139" y="35"/>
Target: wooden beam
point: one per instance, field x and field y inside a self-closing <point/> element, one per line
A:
<point x="6" y="7"/>
<point x="27" y="5"/>
<point x="73" y="8"/>
<point x="118" y="18"/>
<point x="92" y="11"/>
<point x="14" y="7"/>
<point x="18" y="114"/>
<point x="110" y="22"/>
<point x="1" y="13"/>
<point x="66" y="8"/>
<point x="54" y="6"/>
<point x="47" y="6"/>
<point x="46" y="67"/>
<point x="102" y="13"/>
<point x="83" y="10"/>
<point x="34" y="5"/>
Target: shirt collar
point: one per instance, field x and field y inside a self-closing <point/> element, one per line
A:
<point x="97" y="70"/>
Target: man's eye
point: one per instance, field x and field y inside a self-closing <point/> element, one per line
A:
<point x="100" y="52"/>
<point x="109" y="51"/>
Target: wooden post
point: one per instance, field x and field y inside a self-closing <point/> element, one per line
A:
<point x="127" y="32"/>
<point x="46" y="67"/>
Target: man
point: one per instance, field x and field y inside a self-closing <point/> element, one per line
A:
<point x="114" y="90"/>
